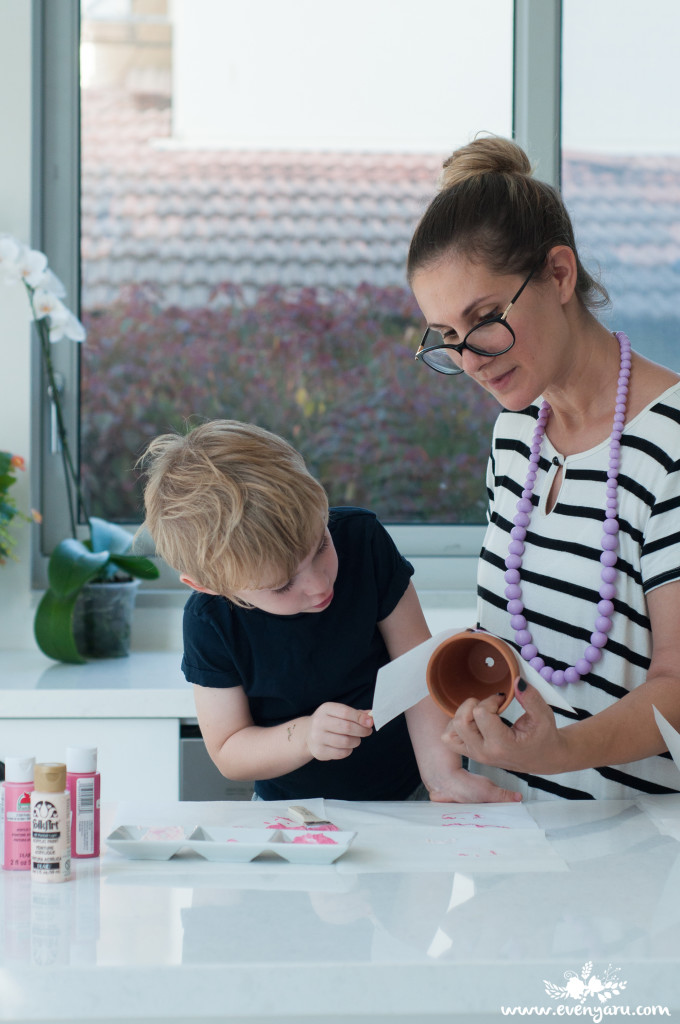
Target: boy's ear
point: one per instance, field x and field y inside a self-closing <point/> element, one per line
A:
<point x="196" y="586"/>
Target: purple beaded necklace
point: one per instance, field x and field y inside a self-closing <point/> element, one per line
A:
<point x="608" y="558"/>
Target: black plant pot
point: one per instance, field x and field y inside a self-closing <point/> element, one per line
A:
<point x="102" y="619"/>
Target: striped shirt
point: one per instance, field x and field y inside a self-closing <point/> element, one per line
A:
<point x="561" y="575"/>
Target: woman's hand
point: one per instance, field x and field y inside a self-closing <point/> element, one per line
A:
<point x="532" y="744"/>
<point x="334" y="730"/>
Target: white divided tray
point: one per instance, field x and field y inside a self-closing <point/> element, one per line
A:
<point x="235" y="845"/>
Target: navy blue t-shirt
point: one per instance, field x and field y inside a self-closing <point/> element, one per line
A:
<point x="290" y="664"/>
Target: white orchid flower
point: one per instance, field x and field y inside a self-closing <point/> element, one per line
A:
<point x="51" y="283"/>
<point x="9" y="259"/>
<point x="32" y="266"/>
<point x="63" y="324"/>
<point x="46" y="303"/>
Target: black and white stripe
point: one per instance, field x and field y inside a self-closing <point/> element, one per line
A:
<point x="561" y="574"/>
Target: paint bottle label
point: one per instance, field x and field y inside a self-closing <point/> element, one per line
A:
<point x="50" y="837"/>
<point x="15" y="814"/>
<point x="84" y="817"/>
<point x="50" y="825"/>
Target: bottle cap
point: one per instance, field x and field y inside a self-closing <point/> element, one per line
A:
<point x="81" y="760"/>
<point x="50" y="778"/>
<point x="19" y="769"/>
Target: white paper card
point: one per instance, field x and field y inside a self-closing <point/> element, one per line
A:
<point x="671" y="736"/>
<point x="401" y="683"/>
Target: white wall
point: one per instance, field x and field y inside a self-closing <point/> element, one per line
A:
<point x="16" y="601"/>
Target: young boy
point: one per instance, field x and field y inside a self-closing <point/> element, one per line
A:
<point x="294" y="610"/>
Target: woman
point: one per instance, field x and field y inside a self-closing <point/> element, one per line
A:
<point x="580" y="568"/>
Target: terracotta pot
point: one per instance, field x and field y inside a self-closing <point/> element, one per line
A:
<point x="471" y="664"/>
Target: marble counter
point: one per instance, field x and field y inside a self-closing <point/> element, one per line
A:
<point x="433" y="914"/>
<point x="146" y="684"/>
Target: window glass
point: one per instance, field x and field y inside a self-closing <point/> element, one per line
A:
<point x="251" y="176"/>
<point x="621" y="161"/>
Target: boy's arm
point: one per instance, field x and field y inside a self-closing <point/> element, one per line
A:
<point x="243" y="750"/>
<point x="442" y="774"/>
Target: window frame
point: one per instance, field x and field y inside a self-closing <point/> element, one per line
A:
<point x="445" y="556"/>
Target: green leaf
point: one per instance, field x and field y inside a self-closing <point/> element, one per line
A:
<point x="136" y="565"/>
<point x="53" y="628"/>
<point x="105" y="536"/>
<point x="71" y="565"/>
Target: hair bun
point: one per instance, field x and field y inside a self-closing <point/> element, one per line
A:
<point x="489" y="154"/>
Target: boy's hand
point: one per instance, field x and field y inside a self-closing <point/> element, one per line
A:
<point x="334" y="731"/>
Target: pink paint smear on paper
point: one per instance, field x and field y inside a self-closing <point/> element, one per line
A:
<point x="450" y="819"/>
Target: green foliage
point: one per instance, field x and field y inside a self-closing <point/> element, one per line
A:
<point x="8" y="509"/>
<point x="72" y="564"/>
<point x="333" y="372"/>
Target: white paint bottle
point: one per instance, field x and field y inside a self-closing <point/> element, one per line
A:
<point x="50" y="825"/>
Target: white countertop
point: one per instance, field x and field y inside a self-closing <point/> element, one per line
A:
<point x="147" y="684"/>
<point x="427" y="917"/>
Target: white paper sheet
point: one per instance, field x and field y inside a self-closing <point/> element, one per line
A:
<point x="401" y="683"/>
<point x="671" y="736"/>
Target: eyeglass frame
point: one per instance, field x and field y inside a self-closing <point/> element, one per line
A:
<point x="501" y="318"/>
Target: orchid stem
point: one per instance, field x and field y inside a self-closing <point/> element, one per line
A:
<point x="71" y="476"/>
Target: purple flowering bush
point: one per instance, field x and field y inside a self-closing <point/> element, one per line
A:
<point x="332" y="372"/>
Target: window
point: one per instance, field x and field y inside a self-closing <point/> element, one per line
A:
<point x="247" y="199"/>
<point x="340" y="207"/>
<point x="621" y="161"/>
<point x="251" y="176"/>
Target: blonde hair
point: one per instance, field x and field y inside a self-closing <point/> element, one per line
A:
<point x="231" y="505"/>
<point x="492" y="210"/>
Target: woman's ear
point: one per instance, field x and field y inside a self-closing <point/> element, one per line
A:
<point x="196" y="586"/>
<point x="562" y="269"/>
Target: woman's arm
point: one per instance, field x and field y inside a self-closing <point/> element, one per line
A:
<point x="243" y="750"/>
<point x="626" y="731"/>
<point x="439" y="766"/>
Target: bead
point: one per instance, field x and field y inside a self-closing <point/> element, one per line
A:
<point x="605" y="607"/>
<point x="608" y="542"/>
<point x="513" y="590"/>
<point x="607" y="574"/>
<point x="611" y="526"/>
<point x="523" y="637"/>
<point x="598" y="639"/>
<point x="582" y="666"/>
<point x="521" y="519"/>
<point x="524" y="505"/>
<point x="603" y="624"/>
<point x="518" y="532"/>
<point x="513" y="562"/>
<point x="529" y="651"/>
<point x="607" y="558"/>
<point x="592" y="654"/>
<point x="518" y="622"/>
<point x="571" y="675"/>
<point x="608" y="591"/>
<point x="515" y="547"/>
<point x="511" y="576"/>
<point x="515" y="607"/>
<point x="537" y="662"/>
<point x="557" y="678"/>
<point x="547" y="673"/>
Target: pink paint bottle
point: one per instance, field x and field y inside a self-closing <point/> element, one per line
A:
<point x="15" y="813"/>
<point x="84" y="784"/>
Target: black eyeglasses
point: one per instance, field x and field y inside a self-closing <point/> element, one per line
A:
<point x="493" y="337"/>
